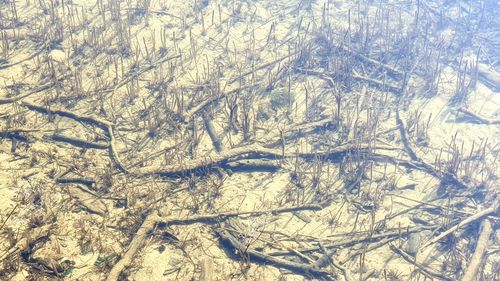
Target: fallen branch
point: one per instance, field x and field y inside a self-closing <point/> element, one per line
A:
<point x="148" y="225"/>
<point x="215" y="97"/>
<point x="212" y="133"/>
<point x="153" y="219"/>
<point x="221" y="216"/>
<point x="477" y="258"/>
<point x="78" y="142"/>
<point x="34" y="91"/>
<point x="477" y="118"/>
<point x="300" y="268"/>
<point x="103" y="124"/>
<point x="426" y="271"/>
<point x="189" y="167"/>
<point x="352" y="241"/>
<point x="463" y="223"/>
<point x="489" y="76"/>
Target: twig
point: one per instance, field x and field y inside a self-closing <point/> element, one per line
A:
<point x="8" y="216"/>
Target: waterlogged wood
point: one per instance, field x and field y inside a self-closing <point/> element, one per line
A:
<point x="78" y="142"/>
<point x="154" y="218"/>
<point x="299" y="268"/>
<point x="196" y="165"/>
<point x="489" y="76"/>
<point x="477" y="258"/>
<point x="103" y="124"/>
<point x="463" y="223"/>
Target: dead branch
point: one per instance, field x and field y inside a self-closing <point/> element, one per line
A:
<point x="477" y="118"/>
<point x="148" y="225"/>
<point x="251" y="149"/>
<point x="153" y="219"/>
<point x="426" y="271"/>
<point x="88" y="200"/>
<point x="489" y="76"/>
<point x="463" y="223"/>
<point x="221" y="216"/>
<point x="31" y="92"/>
<point x="477" y="258"/>
<point x="214" y="98"/>
<point x="78" y="142"/>
<point x="299" y="268"/>
<point x="212" y="133"/>
<point x="103" y="124"/>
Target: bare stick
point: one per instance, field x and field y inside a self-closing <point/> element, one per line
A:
<point x="463" y="223"/>
<point x="300" y="268"/>
<point x="426" y="271"/>
<point x="78" y="142"/>
<point x="479" y="118"/>
<point x="148" y="224"/>
<point x="104" y="124"/>
<point x="153" y="219"/>
<point x="477" y="258"/>
<point x="215" y="217"/>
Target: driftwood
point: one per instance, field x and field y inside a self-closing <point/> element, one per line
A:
<point x="481" y="246"/>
